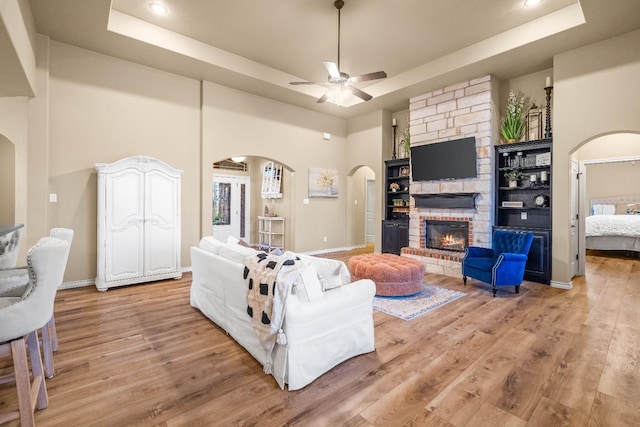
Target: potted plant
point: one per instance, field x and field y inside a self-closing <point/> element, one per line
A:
<point x="394" y="186"/>
<point x="512" y="125"/>
<point x="513" y="175"/>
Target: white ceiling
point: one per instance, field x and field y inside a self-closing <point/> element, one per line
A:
<point x="259" y="46"/>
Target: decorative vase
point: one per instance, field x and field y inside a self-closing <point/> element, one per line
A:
<point x="511" y="141"/>
<point x="513" y="184"/>
<point x="393" y="190"/>
<point x="329" y="190"/>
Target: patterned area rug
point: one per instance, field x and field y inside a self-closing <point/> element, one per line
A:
<point x="411" y="306"/>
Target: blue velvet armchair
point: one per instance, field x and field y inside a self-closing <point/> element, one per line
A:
<point x="501" y="266"/>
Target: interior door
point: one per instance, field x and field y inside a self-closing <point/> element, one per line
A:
<point x="575" y="199"/>
<point x="369" y="214"/>
<point x="231" y="207"/>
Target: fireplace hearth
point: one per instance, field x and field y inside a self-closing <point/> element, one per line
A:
<point x="446" y="235"/>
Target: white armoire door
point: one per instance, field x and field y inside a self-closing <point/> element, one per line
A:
<point x="161" y="232"/>
<point x="139" y="224"/>
<point x="124" y="225"/>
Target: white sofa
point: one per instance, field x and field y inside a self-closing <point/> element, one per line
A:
<point x="322" y="328"/>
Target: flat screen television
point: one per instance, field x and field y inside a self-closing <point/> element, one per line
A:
<point x="444" y="160"/>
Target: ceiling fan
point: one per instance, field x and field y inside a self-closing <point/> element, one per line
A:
<point x="339" y="82"/>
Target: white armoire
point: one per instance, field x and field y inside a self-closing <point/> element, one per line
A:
<point x="138" y="222"/>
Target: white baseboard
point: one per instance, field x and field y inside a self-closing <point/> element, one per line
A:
<point x="92" y="282"/>
<point x="561" y="285"/>
<point x="326" y="251"/>
<point x="77" y="284"/>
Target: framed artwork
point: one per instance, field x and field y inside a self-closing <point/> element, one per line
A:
<point x="533" y="124"/>
<point x="404" y="171"/>
<point x="323" y="182"/>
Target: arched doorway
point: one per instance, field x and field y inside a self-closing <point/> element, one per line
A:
<point x="244" y="174"/>
<point x="361" y="208"/>
<point x="608" y="167"/>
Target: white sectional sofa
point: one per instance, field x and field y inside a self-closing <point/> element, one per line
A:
<point x="326" y="321"/>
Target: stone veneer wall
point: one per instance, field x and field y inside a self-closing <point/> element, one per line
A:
<point x="459" y="111"/>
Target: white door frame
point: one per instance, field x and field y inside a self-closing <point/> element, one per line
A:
<point x="574" y="208"/>
<point x="235" y="181"/>
<point x="583" y="206"/>
<point x="370" y="215"/>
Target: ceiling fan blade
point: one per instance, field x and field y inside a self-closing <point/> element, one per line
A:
<point x="304" y="83"/>
<point x="359" y="93"/>
<point x="371" y="76"/>
<point x="332" y="68"/>
<point x="323" y="98"/>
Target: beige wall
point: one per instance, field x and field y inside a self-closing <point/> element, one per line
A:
<point x="596" y="92"/>
<point x="612" y="179"/>
<point x="13" y="127"/>
<point x="369" y="144"/>
<point x="238" y="123"/>
<point x="531" y="86"/>
<point x="102" y="109"/>
<point x="357" y="203"/>
<point x="7" y="181"/>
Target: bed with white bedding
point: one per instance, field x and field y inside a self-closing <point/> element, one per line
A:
<point x="614" y="224"/>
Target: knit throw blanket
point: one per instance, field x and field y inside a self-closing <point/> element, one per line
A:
<point x="269" y="279"/>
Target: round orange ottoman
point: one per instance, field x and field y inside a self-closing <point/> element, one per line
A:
<point x="393" y="275"/>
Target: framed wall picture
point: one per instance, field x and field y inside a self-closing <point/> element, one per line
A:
<point x="323" y="182"/>
<point x="404" y="171"/>
<point x="533" y="124"/>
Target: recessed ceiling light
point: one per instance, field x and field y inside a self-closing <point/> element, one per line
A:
<point x="530" y="3"/>
<point x="158" y="8"/>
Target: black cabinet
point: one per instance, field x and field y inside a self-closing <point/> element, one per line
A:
<point x="395" y="226"/>
<point x="538" y="268"/>
<point x="395" y="236"/>
<point x="525" y="205"/>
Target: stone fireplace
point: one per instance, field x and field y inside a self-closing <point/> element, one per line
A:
<point x="467" y="109"/>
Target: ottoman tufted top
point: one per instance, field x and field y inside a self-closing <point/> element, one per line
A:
<point x="392" y="274"/>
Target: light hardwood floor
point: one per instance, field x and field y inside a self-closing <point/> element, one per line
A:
<point x="140" y="355"/>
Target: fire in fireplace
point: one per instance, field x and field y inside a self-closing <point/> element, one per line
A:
<point x="446" y="235"/>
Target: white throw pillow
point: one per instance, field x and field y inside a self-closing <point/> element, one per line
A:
<point x="308" y="287"/>
<point x="235" y="252"/>
<point x="231" y="240"/>
<point x="333" y="273"/>
<point x="211" y="244"/>
<point x="312" y="282"/>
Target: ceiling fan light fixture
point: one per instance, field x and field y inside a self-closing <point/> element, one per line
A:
<point x="239" y="159"/>
<point x="158" y="8"/>
<point x="531" y="3"/>
<point x="339" y="82"/>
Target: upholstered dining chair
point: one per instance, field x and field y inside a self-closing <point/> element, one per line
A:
<point x="9" y="244"/>
<point x="22" y="316"/>
<point x="13" y="283"/>
<point x="501" y="265"/>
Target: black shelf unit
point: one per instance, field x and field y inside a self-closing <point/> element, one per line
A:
<point x="515" y="207"/>
<point x="395" y="226"/>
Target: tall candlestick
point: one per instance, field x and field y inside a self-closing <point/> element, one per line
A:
<point x="393" y="122"/>
<point x="394" y="126"/>
<point x="547" y="127"/>
<point x="547" y="82"/>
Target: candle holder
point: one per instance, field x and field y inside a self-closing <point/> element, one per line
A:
<point x="393" y="154"/>
<point x="547" y="127"/>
